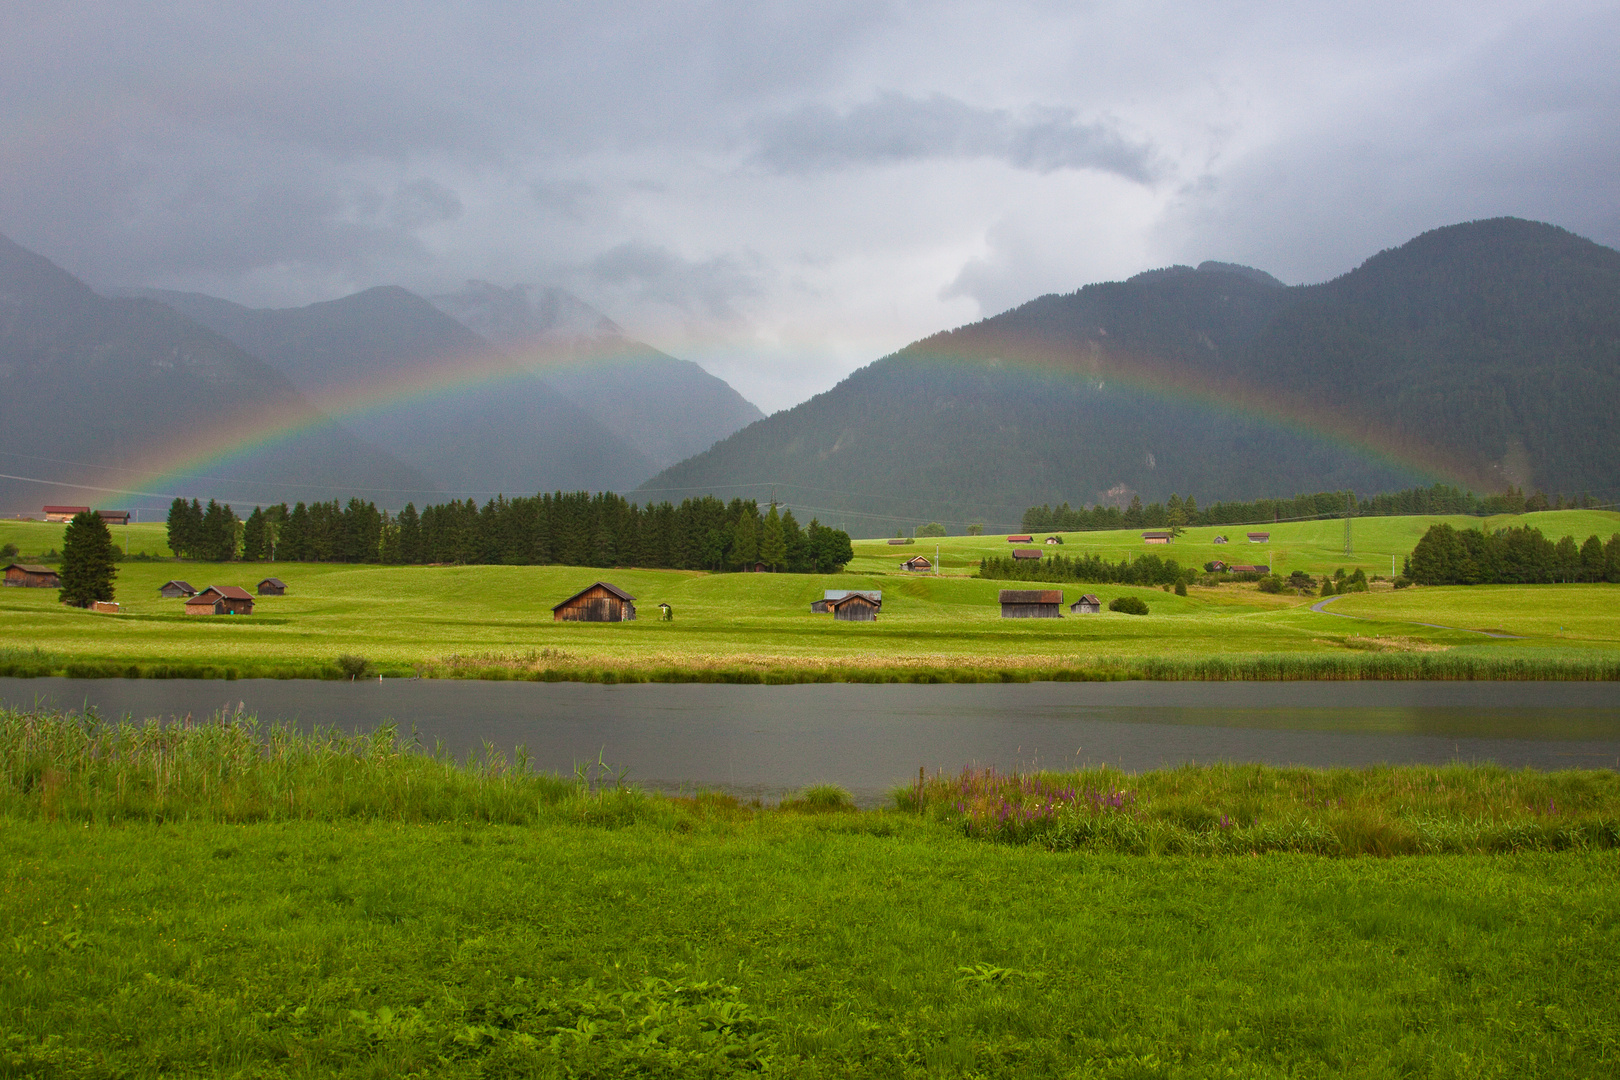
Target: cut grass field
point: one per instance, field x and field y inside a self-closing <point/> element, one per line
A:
<point x="177" y="902"/>
<point x="495" y="621"/>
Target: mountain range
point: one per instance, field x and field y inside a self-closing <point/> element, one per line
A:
<point x="1486" y="353"/>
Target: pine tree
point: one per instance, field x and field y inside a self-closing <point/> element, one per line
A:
<point x="88" y="563"/>
<point x="745" y="539"/>
<point x="772" y="541"/>
<point x="256" y="537"/>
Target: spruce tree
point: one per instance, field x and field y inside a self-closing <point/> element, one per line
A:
<point x="745" y="539"/>
<point x="772" y="542"/>
<point x="256" y="537"/>
<point x="88" y="564"/>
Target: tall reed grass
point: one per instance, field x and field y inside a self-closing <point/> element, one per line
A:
<point x="1233" y="809"/>
<point x="232" y="768"/>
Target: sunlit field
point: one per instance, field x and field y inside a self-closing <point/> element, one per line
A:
<point x="489" y="620"/>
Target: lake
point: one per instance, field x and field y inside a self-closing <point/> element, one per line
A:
<point x="768" y="740"/>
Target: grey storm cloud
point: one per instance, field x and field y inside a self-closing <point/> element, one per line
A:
<point x="897" y="128"/>
<point x="710" y="287"/>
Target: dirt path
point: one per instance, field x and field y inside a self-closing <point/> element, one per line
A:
<point x="1321" y="607"/>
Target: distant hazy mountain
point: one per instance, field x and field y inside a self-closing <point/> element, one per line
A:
<point x="109" y="392"/>
<point x="430" y="391"/>
<point x="1487" y="353"/>
<point x="669" y="409"/>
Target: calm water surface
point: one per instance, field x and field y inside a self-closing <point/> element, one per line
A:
<point x="767" y="740"/>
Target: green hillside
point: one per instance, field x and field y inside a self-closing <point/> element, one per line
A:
<point x="1486" y="354"/>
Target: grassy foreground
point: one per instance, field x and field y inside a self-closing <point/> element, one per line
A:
<point x="218" y="900"/>
<point x="495" y="622"/>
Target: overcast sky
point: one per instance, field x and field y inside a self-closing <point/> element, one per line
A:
<point x="783" y="192"/>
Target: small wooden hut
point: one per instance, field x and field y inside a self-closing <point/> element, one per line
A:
<point x="106" y="606"/>
<point x="1026" y="553"/>
<point x="1020" y="539"/>
<point x="1086" y="605"/>
<point x="272" y="586"/>
<point x="1219" y="540"/>
<point x="173" y="590"/>
<point x="64" y="513"/>
<point x="1156" y="537"/>
<point x="1260" y="538"/>
<point x="221" y="600"/>
<point x="115" y="517"/>
<point x="1031" y="603"/>
<point x="831" y="596"/>
<point x="1054" y="540"/>
<point x="599" y="602"/>
<point x="917" y="564"/>
<point x="856" y="607"/>
<point x="31" y="576"/>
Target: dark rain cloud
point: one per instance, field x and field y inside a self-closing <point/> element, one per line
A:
<point x="895" y="128"/>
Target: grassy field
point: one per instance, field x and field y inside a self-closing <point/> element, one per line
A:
<point x="175" y="905"/>
<point x="495" y="621"/>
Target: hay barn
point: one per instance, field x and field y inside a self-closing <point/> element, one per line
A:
<point x="1156" y="537"/>
<point x="31" y="576"/>
<point x="1259" y="538"/>
<point x="173" y="590"/>
<point x="831" y="596"/>
<point x="221" y="600"/>
<point x="64" y="513"/>
<point x="1031" y="603"/>
<point x="115" y="517"/>
<point x="918" y="564"/>
<point x="1026" y="553"/>
<point x="600" y="602"/>
<point x="1020" y="539"/>
<point x="272" y="586"/>
<point x="1086" y="605"/>
<point x="856" y="607"/>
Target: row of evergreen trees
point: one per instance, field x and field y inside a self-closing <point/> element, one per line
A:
<point x="1439" y="499"/>
<point x="1512" y="556"/>
<point x="570" y="528"/>
<point x="1145" y="569"/>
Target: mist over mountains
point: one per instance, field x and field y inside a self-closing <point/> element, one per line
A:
<point x="1486" y="353"/>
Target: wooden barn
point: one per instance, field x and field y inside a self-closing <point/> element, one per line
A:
<point x="272" y="586"/>
<point x="1219" y="540"/>
<point x="856" y="607"/>
<point x="115" y="517"/>
<point x="600" y="602"/>
<point x="1259" y="538"/>
<point x="918" y="564"/>
<point x="1020" y="539"/>
<point x="1157" y="537"/>
<point x="1086" y="605"/>
<point x="1031" y="603"/>
<point x="902" y="540"/>
<point x="1026" y="553"/>
<point x="64" y="513"/>
<point x="31" y="576"/>
<point x="1245" y="568"/>
<point x="173" y="590"/>
<point x="221" y="600"/>
<point x="831" y="596"/>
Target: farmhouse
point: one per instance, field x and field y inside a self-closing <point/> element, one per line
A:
<point x="64" y="513"/>
<point x="31" y="576"/>
<point x="1215" y="566"/>
<point x="1031" y="603"/>
<point x="1156" y="537"/>
<point x="600" y="602"/>
<point x="1086" y="605"/>
<point x="1026" y="553"/>
<point x="221" y="600"/>
<point x="831" y="596"/>
<point x="1259" y="538"/>
<point x="175" y="589"/>
<point x="1020" y="539"/>
<point x="918" y="563"/>
<point x="856" y="607"/>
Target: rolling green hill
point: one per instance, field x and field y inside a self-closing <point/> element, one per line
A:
<point x="1486" y="353"/>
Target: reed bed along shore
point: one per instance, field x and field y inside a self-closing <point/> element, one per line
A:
<point x="789" y="670"/>
<point x="230" y="768"/>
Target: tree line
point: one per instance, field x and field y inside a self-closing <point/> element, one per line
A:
<point x="1438" y="499"/>
<point x="1145" y="569"/>
<point x="1511" y="556"/>
<point x="569" y="528"/>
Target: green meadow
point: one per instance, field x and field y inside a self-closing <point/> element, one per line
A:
<point x="495" y="621"/>
<point x="221" y="899"/>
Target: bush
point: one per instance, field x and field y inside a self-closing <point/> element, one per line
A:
<point x="352" y="666"/>
<point x="8" y="552"/>
<point x="1181" y="588"/>
<point x="976" y="529"/>
<point x="1402" y="581"/>
<point x="933" y="528"/>
<point x="1271" y="583"/>
<point x="1130" y="605"/>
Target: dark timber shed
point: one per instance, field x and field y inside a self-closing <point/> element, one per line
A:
<point x="855" y="607"/>
<point x="272" y="586"/>
<point x="600" y="602"/>
<point x="1031" y="603"/>
<point x="1086" y="605"/>
<point x="175" y="589"/>
<point x="31" y="576"/>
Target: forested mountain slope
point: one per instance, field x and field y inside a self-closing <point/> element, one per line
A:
<point x="430" y="391"/>
<point x="1486" y="353"/>
<point x="111" y="393"/>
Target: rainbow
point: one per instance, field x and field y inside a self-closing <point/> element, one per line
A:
<point x="206" y="450"/>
